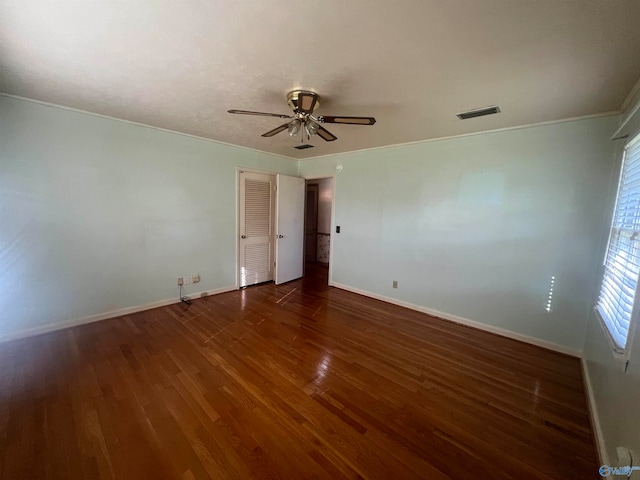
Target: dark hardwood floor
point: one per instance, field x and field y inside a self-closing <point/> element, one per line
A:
<point x="295" y="381"/>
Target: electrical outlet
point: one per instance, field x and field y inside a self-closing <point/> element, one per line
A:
<point x="195" y="278"/>
<point x="187" y="280"/>
<point x="624" y="456"/>
<point x="180" y="280"/>
<point x="395" y="284"/>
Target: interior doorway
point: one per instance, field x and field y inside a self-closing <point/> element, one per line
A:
<point x="318" y="224"/>
<point x="311" y="223"/>
<point x="270" y="228"/>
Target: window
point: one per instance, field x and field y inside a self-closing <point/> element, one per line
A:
<point x="622" y="263"/>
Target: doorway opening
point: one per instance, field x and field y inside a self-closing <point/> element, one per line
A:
<point x="270" y="228"/>
<point x="317" y="226"/>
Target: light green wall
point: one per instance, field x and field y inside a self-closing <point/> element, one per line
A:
<point x="616" y="393"/>
<point x="476" y="226"/>
<point x="98" y="214"/>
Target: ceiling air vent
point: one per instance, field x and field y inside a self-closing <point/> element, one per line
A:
<point x="303" y="146"/>
<point x="480" y="112"/>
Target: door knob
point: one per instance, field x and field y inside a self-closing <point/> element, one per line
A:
<point x="243" y="236"/>
<point x="280" y="236"/>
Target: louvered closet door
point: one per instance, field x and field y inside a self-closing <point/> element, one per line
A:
<point x="256" y="223"/>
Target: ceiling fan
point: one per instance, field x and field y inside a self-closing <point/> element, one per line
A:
<point x="303" y="103"/>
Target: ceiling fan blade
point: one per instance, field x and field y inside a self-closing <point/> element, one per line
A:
<point x="276" y="130"/>
<point x="307" y="102"/>
<point x="326" y="134"/>
<point x="263" y="114"/>
<point x="348" y="120"/>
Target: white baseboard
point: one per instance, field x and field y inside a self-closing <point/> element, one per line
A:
<point x="595" y="419"/>
<point x="465" y="321"/>
<point x="30" y="332"/>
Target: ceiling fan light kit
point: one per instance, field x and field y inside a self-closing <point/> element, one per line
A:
<point x="304" y="103"/>
<point x="294" y="127"/>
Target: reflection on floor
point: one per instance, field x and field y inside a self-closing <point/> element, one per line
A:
<point x="294" y="381"/>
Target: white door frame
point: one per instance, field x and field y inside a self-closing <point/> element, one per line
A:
<point x="265" y="172"/>
<point x="333" y="227"/>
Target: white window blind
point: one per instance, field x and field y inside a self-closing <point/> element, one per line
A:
<point x="622" y="263"/>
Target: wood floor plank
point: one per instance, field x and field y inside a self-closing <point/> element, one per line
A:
<point x="293" y="381"/>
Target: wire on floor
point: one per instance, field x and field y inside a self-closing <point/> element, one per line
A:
<point x="184" y="298"/>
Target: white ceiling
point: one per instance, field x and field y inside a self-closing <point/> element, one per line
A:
<point x="413" y="64"/>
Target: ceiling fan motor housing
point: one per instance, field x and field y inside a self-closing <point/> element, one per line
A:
<point x="296" y="96"/>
